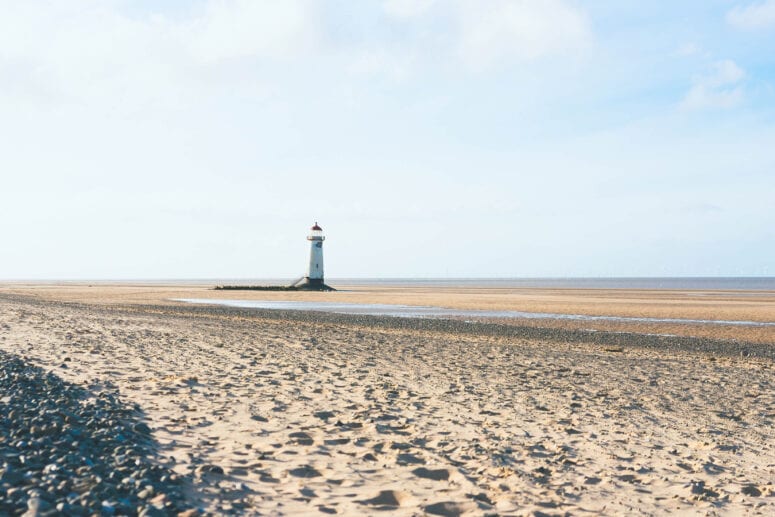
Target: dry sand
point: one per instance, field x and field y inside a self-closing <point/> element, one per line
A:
<point x="310" y="417"/>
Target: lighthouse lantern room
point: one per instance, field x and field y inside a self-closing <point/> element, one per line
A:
<point x="315" y="268"/>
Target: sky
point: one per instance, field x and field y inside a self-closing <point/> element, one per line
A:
<point x="429" y="138"/>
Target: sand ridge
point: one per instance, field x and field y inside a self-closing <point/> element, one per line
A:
<point x="281" y="417"/>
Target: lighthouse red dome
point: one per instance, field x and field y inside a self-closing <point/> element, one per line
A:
<point x="316" y="227"/>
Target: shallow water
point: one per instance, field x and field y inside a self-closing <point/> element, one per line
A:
<point x="414" y="311"/>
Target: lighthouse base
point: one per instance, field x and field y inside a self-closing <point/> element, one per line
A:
<point x="314" y="284"/>
<point x="304" y="284"/>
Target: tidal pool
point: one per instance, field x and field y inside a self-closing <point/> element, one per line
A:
<point x="420" y="311"/>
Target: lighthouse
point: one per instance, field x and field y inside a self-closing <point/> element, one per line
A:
<point x="315" y="268"/>
<point x="313" y="280"/>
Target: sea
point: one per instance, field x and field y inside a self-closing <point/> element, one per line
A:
<point x="691" y="283"/>
<point x="683" y="283"/>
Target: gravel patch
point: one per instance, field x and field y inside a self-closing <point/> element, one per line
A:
<point x="65" y="450"/>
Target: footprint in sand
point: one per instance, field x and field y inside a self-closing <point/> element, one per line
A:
<point x="301" y="438"/>
<point x="307" y="492"/>
<point x="324" y="415"/>
<point x="407" y="458"/>
<point x="336" y="441"/>
<point x="450" y="508"/>
<point x="267" y="478"/>
<point x="434" y="474"/>
<point x="387" y="499"/>
<point x="305" y="471"/>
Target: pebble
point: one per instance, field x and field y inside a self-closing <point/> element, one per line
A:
<point x="67" y="451"/>
<point x="209" y="469"/>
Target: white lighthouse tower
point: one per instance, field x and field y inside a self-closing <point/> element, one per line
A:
<point x="315" y="268"/>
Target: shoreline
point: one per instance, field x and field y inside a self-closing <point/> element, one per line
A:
<point x="665" y="343"/>
<point x="637" y="305"/>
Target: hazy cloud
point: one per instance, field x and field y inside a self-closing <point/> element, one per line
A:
<point x="406" y="8"/>
<point x="91" y="50"/>
<point x="485" y="32"/>
<point x="760" y="15"/>
<point x="493" y="30"/>
<point x="394" y="66"/>
<point x="703" y="208"/>
<point x="249" y="28"/>
<point x="720" y="88"/>
<point x="688" y="50"/>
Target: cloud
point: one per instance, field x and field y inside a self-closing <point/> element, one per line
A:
<point x="249" y="28"/>
<point x="725" y="73"/>
<point x="393" y="66"/>
<point x="486" y="32"/>
<point x="86" y="51"/>
<point x="494" y="30"/>
<point x="721" y="88"/>
<point x="703" y="208"/>
<point x="406" y="8"/>
<point x="753" y="16"/>
<point x="688" y="50"/>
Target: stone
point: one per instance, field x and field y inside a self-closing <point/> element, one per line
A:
<point x="37" y="507"/>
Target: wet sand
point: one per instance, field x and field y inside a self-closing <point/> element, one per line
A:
<point x="638" y="303"/>
<point x="267" y="412"/>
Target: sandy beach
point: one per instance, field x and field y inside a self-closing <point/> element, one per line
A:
<point x="262" y="412"/>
